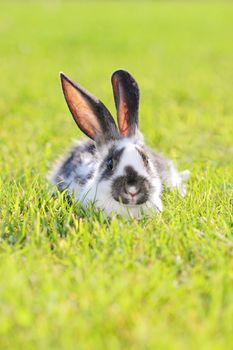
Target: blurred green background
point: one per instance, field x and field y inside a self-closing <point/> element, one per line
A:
<point x="79" y="282"/>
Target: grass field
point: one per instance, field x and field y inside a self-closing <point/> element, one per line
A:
<point x="72" y="280"/>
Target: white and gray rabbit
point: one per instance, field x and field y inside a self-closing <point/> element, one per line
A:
<point x="114" y="169"/>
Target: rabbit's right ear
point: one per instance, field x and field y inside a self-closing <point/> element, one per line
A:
<point x="90" y="114"/>
<point x="126" y="96"/>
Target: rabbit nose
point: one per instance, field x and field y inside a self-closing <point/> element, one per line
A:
<point x="132" y="191"/>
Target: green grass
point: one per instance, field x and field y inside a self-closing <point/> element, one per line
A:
<point x="71" y="280"/>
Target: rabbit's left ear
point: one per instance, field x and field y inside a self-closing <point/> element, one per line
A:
<point x="90" y="114"/>
<point x="126" y="96"/>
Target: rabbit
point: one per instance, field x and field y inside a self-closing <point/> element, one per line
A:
<point x="114" y="170"/>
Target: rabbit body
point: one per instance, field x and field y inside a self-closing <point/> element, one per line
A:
<point x="114" y="170"/>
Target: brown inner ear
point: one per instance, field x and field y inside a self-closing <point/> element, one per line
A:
<point x="81" y="110"/>
<point x="123" y="114"/>
<point x="122" y="110"/>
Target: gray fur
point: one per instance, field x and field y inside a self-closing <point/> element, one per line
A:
<point x="160" y="162"/>
<point x="78" y="165"/>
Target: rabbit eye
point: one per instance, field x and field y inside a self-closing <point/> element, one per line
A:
<point x="110" y="164"/>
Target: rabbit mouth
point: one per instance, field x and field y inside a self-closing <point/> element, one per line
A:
<point x="130" y="201"/>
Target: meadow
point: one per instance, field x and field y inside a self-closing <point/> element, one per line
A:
<point x="70" y="279"/>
